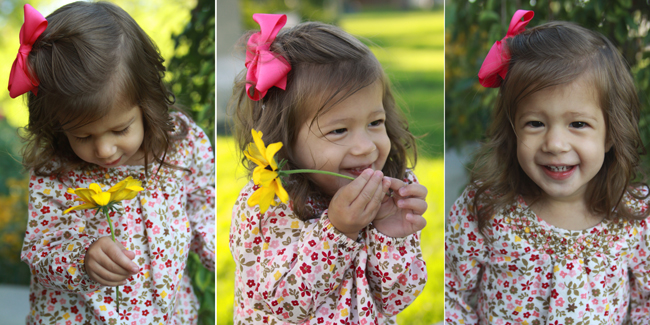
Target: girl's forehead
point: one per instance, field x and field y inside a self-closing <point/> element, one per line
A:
<point x="113" y="117"/>
<point x="323" y="106"/>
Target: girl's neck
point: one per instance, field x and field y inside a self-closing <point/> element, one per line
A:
<point x="570" y="215"/>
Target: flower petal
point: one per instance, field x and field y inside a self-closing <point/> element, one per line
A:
<point x="95" y="187"/>
<point x="102" y="198"/>
<point x="270" y="153"/>
<point x="266" y="177"/>
<point x="259" y="143"/>
<point x="85" y="194"/>
<point x="80" y="207"/>
<point x="255" y="156"/>
<point x="280" y="191"/>
<point x="120" y="185"/>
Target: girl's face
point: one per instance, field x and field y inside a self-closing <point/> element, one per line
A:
<point x="561" y="135"/>
<point x="111" y="141"/>
<point x="347" y="139"/>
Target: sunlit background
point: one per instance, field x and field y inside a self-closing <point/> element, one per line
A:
<point x="184" y="33"/>
<point x="407" y="38"/>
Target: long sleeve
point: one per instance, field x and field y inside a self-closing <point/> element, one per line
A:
<point x="639" y="266"/>
<point x="465" y="255"/>
<point x="200" y="197"/>
<point x="286" y="267"/>
<point x="55" y="244"/>
<point x="396" y="270"/>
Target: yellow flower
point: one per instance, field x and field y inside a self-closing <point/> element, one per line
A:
<point x="265" y="175"/>
<point x="93" y="196"/>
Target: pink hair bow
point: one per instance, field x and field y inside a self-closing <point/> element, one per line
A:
<point x="20" y="81"/>
<point x="497" y="61"/>
<point x="265" y="68"/>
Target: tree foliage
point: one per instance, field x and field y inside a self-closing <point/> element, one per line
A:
<point x="193" y="82"/>
<point x="473" y="26"/>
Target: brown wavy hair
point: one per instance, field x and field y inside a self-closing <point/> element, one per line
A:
<point x="552" y="54"/>
<point x="327" y="66"/>
<point x="93" y="57"/>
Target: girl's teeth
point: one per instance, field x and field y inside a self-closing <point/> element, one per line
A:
<point x="558" y="168"/>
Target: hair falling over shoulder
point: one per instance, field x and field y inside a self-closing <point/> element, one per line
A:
<point x="548" y="55"/>
<point x="327" y="66"/>
<point x="93" y="57"/>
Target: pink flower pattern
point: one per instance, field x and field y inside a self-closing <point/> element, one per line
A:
<point x="55" y="243"/>
<point x="317" y="275"/>
<point x="523" y="270"/>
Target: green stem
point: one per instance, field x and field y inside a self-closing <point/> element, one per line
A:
<point x="117" y="288"/>
<point x="300" y="171"/>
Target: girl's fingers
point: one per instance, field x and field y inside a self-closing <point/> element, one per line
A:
<point x="104" y="275"/>
<point x="354" y="189"/>
<point x="367" y="193"/>
<point x="419" y="206"/>
<point x="417" y="221"/>
<point x="377" y="198"/>
<point x="413" y="190"/>
<point x="122" y="264"/>
<point x="396" y="184"/>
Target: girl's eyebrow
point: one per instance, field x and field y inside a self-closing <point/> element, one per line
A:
<point x="343" y="120"/>
<point x="582" y="115"/>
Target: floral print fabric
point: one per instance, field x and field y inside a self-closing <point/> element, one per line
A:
<point x="307" y="272"/>
<point x="173" y="215"/>
<point x="526" y="271"/>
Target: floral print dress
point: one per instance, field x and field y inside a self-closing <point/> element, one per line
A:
<point x="290" y="271"/>
<point x="171" y="217"/>
<point x="526" y="271"/>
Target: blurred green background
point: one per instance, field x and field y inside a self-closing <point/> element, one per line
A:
<point x="409" y="43"/>
<point x="473" y="26"/>
<point x="184" y="33"/>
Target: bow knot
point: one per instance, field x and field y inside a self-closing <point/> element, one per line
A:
<point x="21" y="79"/>
<point x="25" y="49"/>
<point x="265" y="68"/>
<point x="497" y="60"/>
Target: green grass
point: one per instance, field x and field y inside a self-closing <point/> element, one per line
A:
<point x="410" y="47"/>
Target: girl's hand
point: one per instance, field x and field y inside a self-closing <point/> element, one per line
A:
<point x="355" y="205"/>
<point x="401" y="215"/>
<point x="109" y="263"/>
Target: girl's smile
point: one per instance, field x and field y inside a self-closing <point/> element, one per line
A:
<point x="561" y="134"/>
<point x="347" y="139"/>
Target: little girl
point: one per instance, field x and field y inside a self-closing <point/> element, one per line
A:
<point x="98" y="113"/>
<point x="551" y="229"/>
<point x="340" y="251"/>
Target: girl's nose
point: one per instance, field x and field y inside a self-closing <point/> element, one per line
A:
<point x="556" y="141"/>
<point x="363" y="144"/>
<point x="104" y="148"/>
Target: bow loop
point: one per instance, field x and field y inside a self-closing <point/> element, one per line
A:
<point x="265" y="68"/>
<point x="20" y="77"/>
<point x="495" y="66"/>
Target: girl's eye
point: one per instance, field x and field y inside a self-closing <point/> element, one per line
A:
<point x="338" y="131"/>
<point x="84" y="139"/>
<point x="535" y="124"/>
<point x="578" y="125"/>
<point x="377" y="122"/>
<point x="123" y="132"/>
